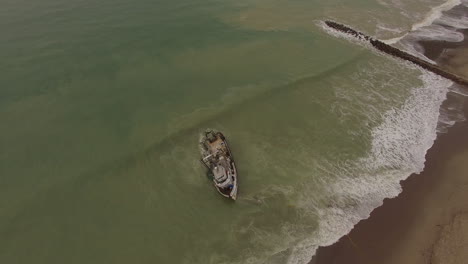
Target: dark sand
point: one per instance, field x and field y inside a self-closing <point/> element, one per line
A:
<point x="450" y="55"/>
<point x="428" y="222"/>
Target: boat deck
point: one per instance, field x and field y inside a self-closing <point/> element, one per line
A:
<point x="216" y="145"/>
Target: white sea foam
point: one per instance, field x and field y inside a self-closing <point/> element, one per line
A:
<point x="455" y="22"/>
<point x="399" y="143"/>
<point x="340" y="34"/>
<point x="385" y="28"/>
<point x="452" y="110"/>
<point x="434" y="32"/>
<point x="458" y="89"/>
<point x="433" y="15"/>
<point x="415" y="49"/>
<point x="444" y="27"/>
<point x="393" y="40"/>
<point x="398" y="149"/>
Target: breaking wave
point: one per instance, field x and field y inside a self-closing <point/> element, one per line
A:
<point x="398" y="149"/>
<point x="435" y="14"/>
<point x="399" y="142"/>
<point x="443" y="23"/>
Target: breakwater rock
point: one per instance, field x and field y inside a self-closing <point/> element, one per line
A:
<point x="397" y="52"/>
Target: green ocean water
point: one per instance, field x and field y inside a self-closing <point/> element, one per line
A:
<point x="102" y="104"/>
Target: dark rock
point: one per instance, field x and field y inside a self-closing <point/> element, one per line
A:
<point x="397" y="52"/>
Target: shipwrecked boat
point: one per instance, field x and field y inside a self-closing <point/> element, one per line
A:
<point x="217" y="157"/>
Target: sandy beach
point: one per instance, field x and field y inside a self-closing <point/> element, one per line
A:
<point x="428" y="221"/>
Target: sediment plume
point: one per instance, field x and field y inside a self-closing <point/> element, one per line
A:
<point x="397" y="52"/>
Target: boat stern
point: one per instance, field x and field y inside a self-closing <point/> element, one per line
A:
<point x="233" y="194"/>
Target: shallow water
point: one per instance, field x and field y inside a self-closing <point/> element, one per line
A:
<point x="102" y="104"/>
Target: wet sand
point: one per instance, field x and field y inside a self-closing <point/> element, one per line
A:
<point x="428" y="221"/>
<point x="450" y="55"/>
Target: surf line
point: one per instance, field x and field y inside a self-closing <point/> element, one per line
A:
<point x="397" y="52"/>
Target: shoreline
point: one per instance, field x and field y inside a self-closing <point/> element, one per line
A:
<point x="401" y="231"/>
<point x="428" y="221"/>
